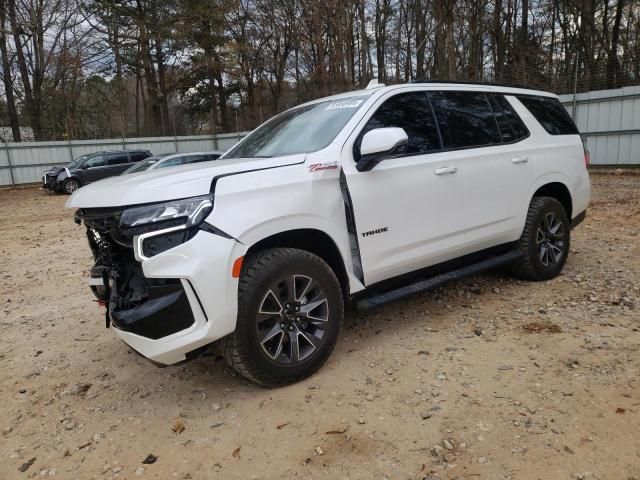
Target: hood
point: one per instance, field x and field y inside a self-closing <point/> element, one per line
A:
<point x="54" y="170"/>
<point x="165" y="184"/>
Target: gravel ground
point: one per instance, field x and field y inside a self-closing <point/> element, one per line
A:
<point x="488" y="378"/>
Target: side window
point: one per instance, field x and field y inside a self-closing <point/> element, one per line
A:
<point x="511" y="126"/>
<point x="412" y="112"/>
<point x="95" y="161"/>
<point x="213" y="156"/>
<point x="171" y="162"/>
<point x="137" y="156"/>
<point x="118" y="158"/>
<point x="193" y="159"/>
<point x="465" y="119"/>
<point x="551" y="114"/>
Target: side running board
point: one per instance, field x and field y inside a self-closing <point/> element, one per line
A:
<point x="375" y="301"/>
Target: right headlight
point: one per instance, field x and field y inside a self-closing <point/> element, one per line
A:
<point x="185" y="213"/>
<point x="160" y="226"/>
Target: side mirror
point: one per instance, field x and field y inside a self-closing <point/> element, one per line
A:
<point x="381" y="143"/>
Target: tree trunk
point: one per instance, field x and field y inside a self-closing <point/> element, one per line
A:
<point x="7" y="78"/>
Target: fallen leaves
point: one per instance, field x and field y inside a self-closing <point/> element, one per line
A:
<point x="25" y="466"/>
<point x="542" y="327"/>
<point x="178" y="426"/>
<point x="236" y="452"/>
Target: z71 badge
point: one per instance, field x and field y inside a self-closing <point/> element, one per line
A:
<point x="316" y="167"/>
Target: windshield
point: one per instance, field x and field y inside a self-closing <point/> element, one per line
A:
<point x="142" y="165"/>
<point x="79" y="160"/>
<point x="299" y="130"/>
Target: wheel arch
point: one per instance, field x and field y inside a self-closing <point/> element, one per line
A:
<point x="560" y="192"/>
<point x="311" y="240"/>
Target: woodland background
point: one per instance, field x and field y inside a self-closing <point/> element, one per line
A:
<point x="102" y="69"/>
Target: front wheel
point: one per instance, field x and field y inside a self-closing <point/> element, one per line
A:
<point x="70" y="185"/>
<point x="290" y="311"/>
<point x="544" y="242"/>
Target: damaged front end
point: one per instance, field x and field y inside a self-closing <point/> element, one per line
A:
<point x="149" y="307"/>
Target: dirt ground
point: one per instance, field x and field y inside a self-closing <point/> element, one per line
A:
<point x="489" y="378"/>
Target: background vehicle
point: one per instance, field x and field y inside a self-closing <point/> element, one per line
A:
<point x="90" y="168"/>
<point x="166" y="160"/>
<point x="368" y="196"/>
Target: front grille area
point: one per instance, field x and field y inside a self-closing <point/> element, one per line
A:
<point x="152" y="308"/>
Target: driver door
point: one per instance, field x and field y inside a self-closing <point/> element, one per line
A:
<point x="408" y="210"/>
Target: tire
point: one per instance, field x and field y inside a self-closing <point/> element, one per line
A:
<point x="545" y="241"/>
<point x="262" y="348"/>
<point x="70" y="185"/>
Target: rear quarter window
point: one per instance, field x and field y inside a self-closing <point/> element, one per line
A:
<point x="550" y="113"/>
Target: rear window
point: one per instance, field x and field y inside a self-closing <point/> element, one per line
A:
<point x="551" y="114"/>
<point x="465" y="119"/>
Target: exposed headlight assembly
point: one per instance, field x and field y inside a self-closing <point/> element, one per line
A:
<point x="161" y="226"/>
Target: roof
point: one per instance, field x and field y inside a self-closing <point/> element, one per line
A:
<point x="466" y="85"/>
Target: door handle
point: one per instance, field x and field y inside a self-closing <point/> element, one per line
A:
<point x="517" y="160"/>
<point x="445" y="170"/>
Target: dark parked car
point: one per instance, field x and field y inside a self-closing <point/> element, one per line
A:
<point x="89" y="168"/>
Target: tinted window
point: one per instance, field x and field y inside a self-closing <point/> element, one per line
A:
<point x="137" y="156"/>
<point x="172" y="162"/>
<point x="511" y="127"/>
<point x="412" y="112"/>
<point x="194" y="159"/>
<point x="95" y="161"/>
<point x="551" y="115"/>
<point x="118" y="158"/>
<point x="465" y="118"/>
<point x="213" y="156"/>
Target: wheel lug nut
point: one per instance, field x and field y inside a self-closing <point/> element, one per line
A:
<point x="282" y="325"/>
<point x="290" y="327"/>
<point x="297" y="309"/>
<point x="297" y="319"/>
<point x="288" y="305"/>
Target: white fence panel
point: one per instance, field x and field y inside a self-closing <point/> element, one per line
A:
<point x="24" y="162"/>
<point x="610" y="122"/>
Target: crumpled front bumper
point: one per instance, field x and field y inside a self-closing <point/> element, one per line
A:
<point x="203" y="300"/>
<point x="50" y="182"/>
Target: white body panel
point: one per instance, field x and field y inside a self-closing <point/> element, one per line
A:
<point x="423" y="209"/>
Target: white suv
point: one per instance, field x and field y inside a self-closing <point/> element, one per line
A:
<point x="369" y="196"/>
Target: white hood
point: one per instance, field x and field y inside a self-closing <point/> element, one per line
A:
<point x="167" y="183"/>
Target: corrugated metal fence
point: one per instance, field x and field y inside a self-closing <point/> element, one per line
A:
<point x="610" y="121"/>
<point x="24" y="162"/>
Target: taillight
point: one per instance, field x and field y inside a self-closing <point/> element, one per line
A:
<point x="587" y="155"/>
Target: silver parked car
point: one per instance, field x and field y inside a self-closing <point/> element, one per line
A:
<point x="166" y="160"/>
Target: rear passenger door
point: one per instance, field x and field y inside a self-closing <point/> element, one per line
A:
<point x="486" y="141"/>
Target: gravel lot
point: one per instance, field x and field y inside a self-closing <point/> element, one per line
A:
<point x="488" y="378"/>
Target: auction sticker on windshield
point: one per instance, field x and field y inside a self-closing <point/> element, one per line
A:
<point x="344" y="104"/>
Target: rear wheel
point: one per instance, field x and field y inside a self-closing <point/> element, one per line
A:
<point x="290" y="311"/>
<point x="70" y="185"/>
<point x="544" y="242"/>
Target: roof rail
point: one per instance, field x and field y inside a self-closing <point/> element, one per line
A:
<point x="472" y="82"/>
